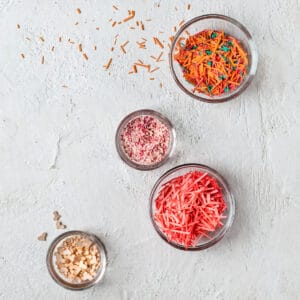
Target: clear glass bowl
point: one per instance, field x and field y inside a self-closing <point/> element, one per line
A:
<point x="217" y="235"/>
<point x="215" y="22"/>
<point x="139" y="113"/>
<point x="58" y="277"/>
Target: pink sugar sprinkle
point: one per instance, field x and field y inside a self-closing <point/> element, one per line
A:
<point x="145" y="140"/>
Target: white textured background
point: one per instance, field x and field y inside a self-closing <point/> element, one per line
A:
<point x="57" y="152"/>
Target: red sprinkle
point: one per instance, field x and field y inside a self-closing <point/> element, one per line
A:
<point x="190" y="207"/>
<point x="145" y="140"/>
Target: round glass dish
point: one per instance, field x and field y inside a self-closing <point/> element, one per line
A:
<point x="231" y="27"/>
<point x="132" y="116"/>
<point x="58" y="277"/>
<point x="217" y="235"/>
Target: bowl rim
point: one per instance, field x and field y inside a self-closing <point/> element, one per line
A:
<point x="64" y="283"/>
<point x="161" y="118"/>
<point x="230" y="199"/>
<point x="253" y="67"/>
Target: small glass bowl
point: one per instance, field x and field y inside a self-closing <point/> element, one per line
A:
<point x="216" y="236"/>
<point x="55" y="274"/>
<point x="134" y="115"/>
<point x="215" y="22"/>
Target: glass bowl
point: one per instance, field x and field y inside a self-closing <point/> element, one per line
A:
<point x="134" y="115"/>
<point x="215" y="236"/>
<point x="231" y="27"/>
<point x="58" y="277"/>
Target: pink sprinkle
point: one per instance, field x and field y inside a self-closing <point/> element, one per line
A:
<point x="145" y="140"/>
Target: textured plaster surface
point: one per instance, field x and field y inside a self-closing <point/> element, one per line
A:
<point x="57" y="152"/>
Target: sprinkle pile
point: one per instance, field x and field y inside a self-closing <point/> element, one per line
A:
<point x="189" y="207"/>
<point x="78" y="259"/>
<point x="214" y="62"/>
<point x="145" y="140"/>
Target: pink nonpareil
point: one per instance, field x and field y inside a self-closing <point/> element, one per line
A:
<point x="145" y="140"/>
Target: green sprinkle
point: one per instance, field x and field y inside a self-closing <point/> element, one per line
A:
<point x="225" y="49"/>
<point x="210" y="87"/>
<point x="226" y="89"/>
<point x="229" y="44"/>
<point x="213" y="35"/>
<point x="222" y="77"/>
<point x="209" y="63"/>
<point x="208" y="52"/>
<point x="194" y="47"/>
<point x="233" y="68"/>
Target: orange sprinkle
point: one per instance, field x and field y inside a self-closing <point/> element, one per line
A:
<point x="181" y="23"/>
<point x="174" y="29"/>
<point x="188" y="7"/>
<point x="22" y="55"/>
<point x="123" y="50"/>
<point x="151" y="78"/>
<point x="155" y="69"/>
<point x="108" y="64"/>
<point x="112" y="49"/>
<point x="80" y="48"/>
<point x="78" y="10"/>
<point x="114" y="24"/>
<point x="131" y="16"/>
<point x="137" y="23"/>
<point x="43" y="60"/>
<point x="85" y="56"/>
<point x="159" y="57"/>
<point x="134" y="69"/>
<point x="142" y="26"/>
<point x="158" y="42"/>
<point x="142" y="65"/>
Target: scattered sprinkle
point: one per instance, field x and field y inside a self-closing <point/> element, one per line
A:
<point x="43" y="60"/>
<point x="22" y="55"/>
<point x="107" y="65"/>
<point x="130" y="16"/>
<point x="78" y="10"/>
<point x="85" y="56"/>
<point x="80" y="47"/>
<point x="18" y="26"/>
<point x="115" y="7"/>
<point x="188" y="7"/>
<point x="158" y="42"/>
<point x="42" y="39"/>
<point x="43" y="236"/>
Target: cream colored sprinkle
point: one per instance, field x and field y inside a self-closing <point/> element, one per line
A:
<point x="78" y="259"/>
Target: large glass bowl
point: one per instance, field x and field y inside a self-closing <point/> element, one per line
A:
<point x="215" y="236"/>
<point x="231" y="27"/>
